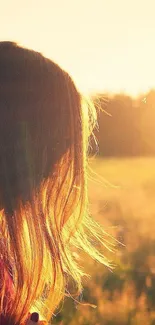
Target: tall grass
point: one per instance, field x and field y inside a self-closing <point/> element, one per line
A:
<point x="126" y="209"/>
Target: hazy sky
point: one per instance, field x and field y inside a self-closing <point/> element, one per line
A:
<point x="103" y="44"/>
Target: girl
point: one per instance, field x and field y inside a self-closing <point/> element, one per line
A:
<point x="44" y="130"/>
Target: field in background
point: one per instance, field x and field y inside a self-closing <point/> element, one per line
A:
<point x="126" y="209"/>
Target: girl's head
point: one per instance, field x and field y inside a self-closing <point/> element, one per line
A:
<point x="41" y="125"/>
<point x="44" y="130"/>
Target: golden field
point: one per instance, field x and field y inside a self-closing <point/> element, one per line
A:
<point x="123" y="201"/>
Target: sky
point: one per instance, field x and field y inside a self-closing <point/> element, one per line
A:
<point x="105" y="45"/>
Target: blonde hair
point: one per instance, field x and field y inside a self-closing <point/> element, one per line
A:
<point x="44" y="136"/>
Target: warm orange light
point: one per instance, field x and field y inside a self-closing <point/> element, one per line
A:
<point x="104" y="45"/>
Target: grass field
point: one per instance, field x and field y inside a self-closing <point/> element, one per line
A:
<point x="124" y="203"/>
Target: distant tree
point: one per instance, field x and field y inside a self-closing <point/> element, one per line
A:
<point x="126" y="125"/>
<point x="147" y="122"/>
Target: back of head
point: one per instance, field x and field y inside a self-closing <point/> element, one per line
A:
<point x="41" y="175"/>
<point x="35" y="120"/>
<point x="43" y="194"/>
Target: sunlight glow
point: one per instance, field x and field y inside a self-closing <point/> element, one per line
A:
<point x="104" y="45"/>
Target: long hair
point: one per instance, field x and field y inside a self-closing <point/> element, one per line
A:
<point x="44" y="134"/>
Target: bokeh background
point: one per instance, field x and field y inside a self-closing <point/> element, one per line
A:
<point x="122" y="199"/>
<point x="108" y="47"/>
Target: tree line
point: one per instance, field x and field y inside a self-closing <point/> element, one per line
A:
<point x="126" y="126"/>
